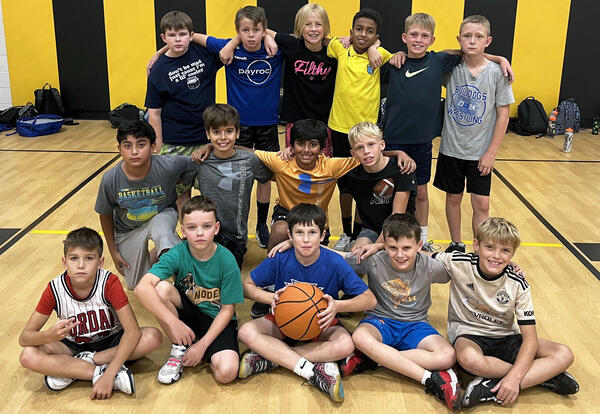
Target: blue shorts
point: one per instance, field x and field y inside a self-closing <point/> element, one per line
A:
<point x="400" y="335"/>
<point x="421" y="153"/>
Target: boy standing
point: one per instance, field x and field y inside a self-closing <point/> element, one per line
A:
<point x="310" y="263"/>
<point x="197" y="312"/>
<point x="136" y="200"/>
<point x="485" y="298"/>
<point x="476" y="117"/>
<point x="96" y="331"/>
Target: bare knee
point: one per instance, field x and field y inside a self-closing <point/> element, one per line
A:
<point x="29" y="357"/>
<point x="422" y="195"/>
<point x="470" y="360"/>
<point x="480" y="204"/>
<point x="361" y="339"/>
<point x="247" y="333"/>
<point x="165" y="290"/>
<point x="454" y="199"/>
<point x="446" y="357"/>
<point x="150" y="340"/>
<point x="565" y="356"/>
<point x="344" y="346"/>
<point x="225" y="368"/>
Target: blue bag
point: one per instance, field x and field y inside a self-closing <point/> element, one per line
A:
<point x="39" y="125"/>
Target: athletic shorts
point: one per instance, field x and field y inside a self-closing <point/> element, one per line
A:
<point x="451" y="173"/>
<point x="369" y="234"/>
<point x="327" y="150"/>
<point x="97" y="346"/>
<point x="505" y="348"/>
<point x="421" y="153"/>
<point x="199" y="322"/>
<point x="281" y="214"/>
<point x="171" y="149"/>
<point x="340" y="144"/>
<point x="400" y="335"/>
<point x="236" y="246"/>
<point x="291" y="342"/>
<point x="259" y="137"/>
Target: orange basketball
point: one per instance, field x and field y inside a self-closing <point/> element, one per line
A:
<point x="297" y="309"/>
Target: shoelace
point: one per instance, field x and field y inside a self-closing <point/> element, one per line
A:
<point x="259" y="364"/>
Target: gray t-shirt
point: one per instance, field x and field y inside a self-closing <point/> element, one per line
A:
<point x="403" y="296"/>
<point x="470" y="114"/>
<point x="134" y="202"/>
<point x="228" y="182"/>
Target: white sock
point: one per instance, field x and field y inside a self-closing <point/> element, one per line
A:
<point x="304" y="368"/>
<point x="426" y="376"/>
<point x="424" y="234"/>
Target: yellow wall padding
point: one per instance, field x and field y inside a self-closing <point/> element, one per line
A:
<point x="30" y="46"/>
<point x="340" y="14"/>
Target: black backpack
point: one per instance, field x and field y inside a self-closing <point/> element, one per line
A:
<point x="48" y="101"/>
<point x="532" y="118"/>
<point x="568" y="116"/>
<point x="124" y="112"/>
<point x="8" y="117"/>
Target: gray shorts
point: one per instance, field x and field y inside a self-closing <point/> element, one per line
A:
<point x="133" y="245"/>
<point x="369" y="234"/>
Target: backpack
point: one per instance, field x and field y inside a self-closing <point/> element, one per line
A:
<point x="568" y="116"/>
<point x="48" y="101"/>
<point x="532" y="118"/>
<point x="39" y="125"/>
<point x="8" y="117"/>
<point x="124" y="112"/>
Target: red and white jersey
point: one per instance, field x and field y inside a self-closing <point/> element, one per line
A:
<point x="96" y="313"/>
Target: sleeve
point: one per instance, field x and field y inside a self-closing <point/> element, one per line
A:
<point x="231" y="282"/>
<point x="153" y="97"/>
<point x="348" y="281"/>
<point x="446" y="260"/>
<point x="190" y="169"/>
<point x="104" y="201"/>
<point x="215" y="45"/>
<point x="404" y="182"/>
<point x="437" y="271"/>
<point x="340" y="166"/>
<point x="287" y="44"/>
<point x="166" y="265"/>
<point x="335" y="48"/>
<point x="504" y="92"/>
<point x="269" y="159"/>
<point x="114" y="293"/>
<point x="385" y="55"/>
<point x="264" y="274"/>
<point x="47" y="303"/>
<point x="524" y="303"/>
<point x="450" y="61"/>
<point x="261" y="173"/>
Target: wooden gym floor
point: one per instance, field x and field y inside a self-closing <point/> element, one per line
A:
<point x="50" y="186"/>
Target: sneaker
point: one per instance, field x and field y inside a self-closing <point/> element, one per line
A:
<point x="430" y="247"/>
<point x="258" y="310"/>
<point x="172" y="369"/>
<point x="478" y="391"/>
<point x="262" y="235"/>
<point x="356" y="363"/>
<point x="456" y="247"/>
<point x="444" y="385"/>
<point x="123" y="380"/>
<point x="252" y="363"/>
<point x="87" y="356"/>
<point x="563" y="384"/>
<point x="343" y="243"/>
<point x="327" y="378"/>
<point x="60" y="383"/>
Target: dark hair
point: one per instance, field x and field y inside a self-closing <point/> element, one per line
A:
<point x="137" y="128"/>
<point x="198" y="203"/>
<point x="221" y="115"/>
<point x="401" y="225"/>
<point x="307" y="129"/>
<point x="85" y="238"/>
<point x="307" y="215"/>
<point x="256" y="14"/>
<point x="176" y="20"/>
<point x="369" y="14"/>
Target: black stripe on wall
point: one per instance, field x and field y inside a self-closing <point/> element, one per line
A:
<point x="581" y="61"/>
<point x="393" y="14"/>
<point x="194" y="8"/>
<point x="281" y="19"/>
<point x="81" y="55"/>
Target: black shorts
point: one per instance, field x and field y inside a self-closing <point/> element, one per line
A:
<point x="97" y="346"/>
<point x="340" y="144"/>
<point x="234" y="245"/>
<point x="505" y="348"/>
<point x="199" y="322"/>
<point x="450" y="175"/>
<point x="259" y="137"/>
<point x="421" y="154"/>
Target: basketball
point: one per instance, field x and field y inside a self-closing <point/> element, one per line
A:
<point x="297" y="309"/>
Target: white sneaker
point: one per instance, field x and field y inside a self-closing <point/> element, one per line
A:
<point x="343" y="243"/>
<point x="60" y="383"/>
<point x="172" y="369"/>
<point x="87" y="356"/>
<point x="123" y="380"/>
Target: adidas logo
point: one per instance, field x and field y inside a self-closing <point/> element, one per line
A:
<point x="471" y="286"/>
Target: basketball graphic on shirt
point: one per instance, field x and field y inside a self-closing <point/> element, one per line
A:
<point x="383" y="191"/>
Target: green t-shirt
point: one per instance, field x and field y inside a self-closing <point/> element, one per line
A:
<point x="207" y="284"/>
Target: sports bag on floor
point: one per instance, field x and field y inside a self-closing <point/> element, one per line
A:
<point x="39" y="125"/>
<point x="48" y="101"/>
<point x="568" y="116"/>
<point x="532" y="117"/>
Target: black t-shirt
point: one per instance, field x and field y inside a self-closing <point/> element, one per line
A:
<point x="412" y="111"/>
<point x="308" y="81"/>
<point x="374" y="192"/>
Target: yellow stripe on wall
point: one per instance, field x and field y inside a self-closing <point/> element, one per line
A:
<point x="539" y="50"/>
<point x="130" y="42"/>
<point x="30" y="46"/>
<point x="220" y="22"/>
<point x="448" y="15"/>
<point x="340" y="14"/>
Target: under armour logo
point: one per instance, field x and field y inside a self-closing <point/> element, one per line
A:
<point x="226" y="182"/>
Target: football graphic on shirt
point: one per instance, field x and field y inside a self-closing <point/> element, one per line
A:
<point x="383" y="191"/>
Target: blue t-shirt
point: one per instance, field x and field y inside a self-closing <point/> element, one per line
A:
<point x="330" y="273"/>
<point x="253" y="81"/>
<point x="183" y="87"/>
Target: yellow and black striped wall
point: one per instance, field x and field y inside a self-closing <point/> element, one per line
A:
<point x="96" y="51"/>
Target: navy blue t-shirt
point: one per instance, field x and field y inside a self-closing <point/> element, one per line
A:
<point x="183" y="87"/>
<point x="253" y="81"/>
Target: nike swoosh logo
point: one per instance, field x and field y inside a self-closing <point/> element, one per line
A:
<point x="410" y="74"/>
<point x="485" y="383"/>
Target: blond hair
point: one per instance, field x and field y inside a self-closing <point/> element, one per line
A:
<point x="420" y="19"/>
<point x="499" y="230"/>
<point x="365" y="128"/>
<point x="303" y="15"/>
<point x="476" y="19"/>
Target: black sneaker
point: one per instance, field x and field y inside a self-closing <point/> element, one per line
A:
<point x="262" y="235"/>
<point x="456" y="247"/>
<point x="327" y="378"/>
<point x="479" y="391"/>
<point x="563" y="384"/>
<point x="444" y="385"/>
<point x="259" y="310"/>
<point x="356" y="363"/>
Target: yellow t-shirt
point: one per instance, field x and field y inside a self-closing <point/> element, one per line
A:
<point x="356" y="96"/>
<point x="315" y="186"/>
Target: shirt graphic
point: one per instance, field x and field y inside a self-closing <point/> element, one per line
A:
<point x="198" y="294"/>
<point x="399" y="290"/>
<point x="226" y="182"/>
<point x="468" y="105"/>
<point x="142" y="203"/>
<point x="188" y="73"/>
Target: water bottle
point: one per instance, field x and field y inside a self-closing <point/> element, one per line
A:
<point x="568" y="146"/>
<point x="551" y="125"/>
<point x="596" y="125"/>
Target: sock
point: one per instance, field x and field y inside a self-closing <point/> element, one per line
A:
<point x="262" y="211"/>
<point x="426" y="376"/>
<point x="357" y="229"/>
<point x="424" y="234"/>
<point x="304" y="368"/>
<point x="347" y="225"/>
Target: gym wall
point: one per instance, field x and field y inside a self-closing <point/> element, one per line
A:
<point x="96" y="51"/>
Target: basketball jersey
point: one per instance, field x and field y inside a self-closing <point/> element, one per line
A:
<point x="98" y="318"/>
